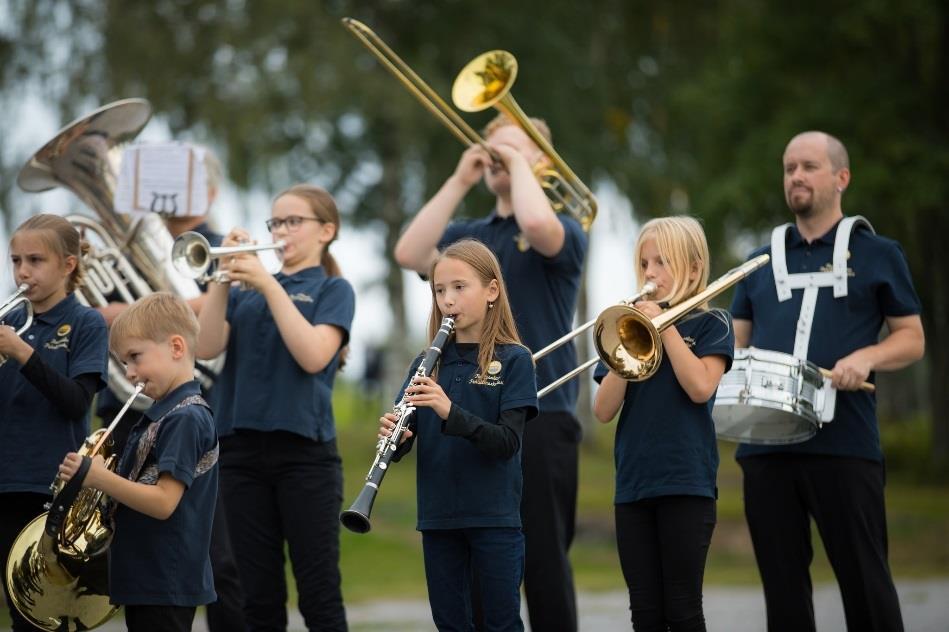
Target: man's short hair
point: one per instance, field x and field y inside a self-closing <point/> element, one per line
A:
<point x="156" y="317"/>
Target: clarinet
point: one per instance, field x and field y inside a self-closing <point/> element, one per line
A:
<point x="356" y="518"/>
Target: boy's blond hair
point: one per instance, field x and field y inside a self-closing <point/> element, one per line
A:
<point x="503" y="120"/>
<point x="156" y="317"/>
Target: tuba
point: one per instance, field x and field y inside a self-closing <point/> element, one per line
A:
<point x="57" y="573"/>
<point x="483" y="83"/>
<point x="128" y="256"/>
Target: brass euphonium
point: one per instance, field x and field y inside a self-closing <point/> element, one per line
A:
<point x="483" y="83"/>
<point x="129" y="257"/>
<point x="57" y="571"/>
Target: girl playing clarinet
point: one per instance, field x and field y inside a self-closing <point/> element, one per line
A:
<point x="471" y="417"/>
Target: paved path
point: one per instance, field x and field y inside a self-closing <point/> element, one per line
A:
<point x="732" y="609"/>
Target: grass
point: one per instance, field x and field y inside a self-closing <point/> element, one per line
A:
<point x="388" y="560"/>
<point x="917" y="514"/>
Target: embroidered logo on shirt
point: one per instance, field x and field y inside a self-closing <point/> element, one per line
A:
<point x="829" y="267"/>
<point x="689" y="341"/>
<point x="522" y="244"/>
<point x="300" y="297"/>
<point x="485" y="380"/>
<point x="61" y="341"/>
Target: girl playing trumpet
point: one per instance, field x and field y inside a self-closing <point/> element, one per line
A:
<point x="273" y="408"/>
<point x="49" y="375"/>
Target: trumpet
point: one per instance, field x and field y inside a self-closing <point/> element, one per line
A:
<point x="356" y="518"/>
<point x="192" y="256"/>
<point x="483" y="83"/>
<point x="15" y="300"/>
<point x="57" y="572"/>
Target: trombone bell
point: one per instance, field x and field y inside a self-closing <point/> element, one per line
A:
<point x="627" y="342"/>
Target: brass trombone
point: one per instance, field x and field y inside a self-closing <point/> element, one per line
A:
<point x="192" y="256"/>
<point x="627" y="341"/>
<point x="648" y="288"/>
<point x="483" y="83"/>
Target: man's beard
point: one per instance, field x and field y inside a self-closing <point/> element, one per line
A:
<point x="803" y="209"/>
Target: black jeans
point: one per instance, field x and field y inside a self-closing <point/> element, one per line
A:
<point x="19" y="509"/>
<point x="549" y="460"/>
<point x="845" y="497"/>
<point x="159" y="618"/>
<point x="663" y="544"/>
<point x="279" y="486"/>
<point x="227" y="613"/>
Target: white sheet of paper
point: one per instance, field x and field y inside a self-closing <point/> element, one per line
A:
<point x="165" y="178"/>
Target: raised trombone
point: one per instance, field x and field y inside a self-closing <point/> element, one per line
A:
<point x="483" y="83"/>
<point x="192" y="255"/>
<point x="627" y="341"/>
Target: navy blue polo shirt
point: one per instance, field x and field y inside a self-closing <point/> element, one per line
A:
<point x="458" y="487"/>
<point x="166" y="562"/>
<point x="107" y="404"/>
<point x="261" y="386"/>
<point x="878" y="285"/>
<point x="73" y="340"/>
<point x="542" y="290"/>
<point x="665" y="442"/>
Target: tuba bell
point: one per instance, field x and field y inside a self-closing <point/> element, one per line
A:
<point x="128" y="256"/>
<point x="57" y="571"/>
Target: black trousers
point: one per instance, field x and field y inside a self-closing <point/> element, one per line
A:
<point x="19" y="509"/>
<point x="845" y="498"/>
<point x="663" y="544"/>
<point x="227" y="613"/>
<point x="159" y="618"/>
<point x="549" y="460"/>
<point x="281" y="487"/>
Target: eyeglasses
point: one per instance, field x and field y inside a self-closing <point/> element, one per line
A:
<point x="292" y="222"/>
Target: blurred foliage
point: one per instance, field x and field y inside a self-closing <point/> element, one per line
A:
<point x="685" y="106"/>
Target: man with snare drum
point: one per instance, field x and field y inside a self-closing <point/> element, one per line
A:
<point x="831" y="285"/>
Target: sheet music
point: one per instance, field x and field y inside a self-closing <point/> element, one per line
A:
<point x="165" y="178"/>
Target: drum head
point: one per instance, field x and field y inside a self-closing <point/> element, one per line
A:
<point x="761" y="424"/>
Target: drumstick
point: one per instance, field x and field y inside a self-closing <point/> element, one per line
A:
<point x="866" y="386"/>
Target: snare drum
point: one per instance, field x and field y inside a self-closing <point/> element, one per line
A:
<point x="771" y="398"/>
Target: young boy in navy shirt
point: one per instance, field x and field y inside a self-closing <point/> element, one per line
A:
<point x="166" y="482"/>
